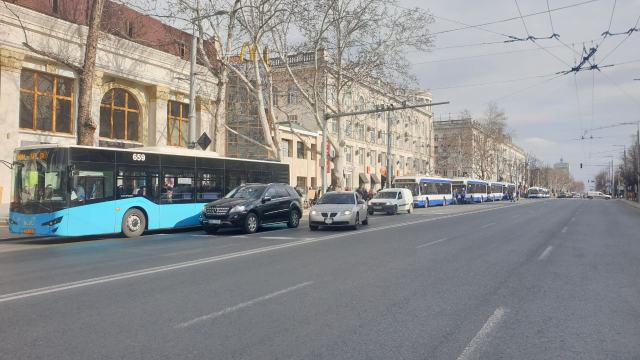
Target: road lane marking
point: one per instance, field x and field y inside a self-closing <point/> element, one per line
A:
<point x="239" y="236"/>
<point x="564" y="230"/>
<point x="546" y="253"/>
<point x="431" y="243"/>
<point x="488" y="225"/>
<point x="276" y="237"/>
<point x="515" y="216"/>
<point x="159" y="269"/>
<point x="240" y="306"/>
<point x="482" y="335"/>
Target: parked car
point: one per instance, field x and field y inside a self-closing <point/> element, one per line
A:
<point x="562" y="196"/>
<point x="339" y="208"/>
<point x="598" y="195"/>
<point x="391" y="201"/>
<point x="252" y="205"/>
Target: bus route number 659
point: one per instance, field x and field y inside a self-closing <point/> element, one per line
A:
<point x="138" y="157"/>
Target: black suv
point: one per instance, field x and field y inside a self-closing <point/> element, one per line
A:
<point x="252" y="205"/>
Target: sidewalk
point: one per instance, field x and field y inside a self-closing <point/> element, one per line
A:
<point x="631" y="203"/>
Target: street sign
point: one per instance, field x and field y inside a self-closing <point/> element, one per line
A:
<point x="204" y="141"/>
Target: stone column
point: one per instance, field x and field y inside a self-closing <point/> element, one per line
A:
<point x="10" y="69"/>
<point x="158" y="126"/>
<point x="204" y="119"/>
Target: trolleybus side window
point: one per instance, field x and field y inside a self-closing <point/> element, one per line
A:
<point x="136" y="181"/>
<point x="91" y="182"/>
<point x="177" y="185"/>
<point x="210" y="185"/>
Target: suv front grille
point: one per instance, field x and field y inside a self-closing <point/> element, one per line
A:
<point x="217" y="210"/>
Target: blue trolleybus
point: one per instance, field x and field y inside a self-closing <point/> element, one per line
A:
<point x="476" y="189"/>
<point x="60" y="190"/>
<point x="494" y="191"/>
<point x="426" y="190"/>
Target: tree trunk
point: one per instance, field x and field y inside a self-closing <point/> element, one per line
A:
<point x="86" y="126"/>
<point x="221" y="112"/>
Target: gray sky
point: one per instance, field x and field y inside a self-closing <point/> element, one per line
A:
<point x="546" y="117"/>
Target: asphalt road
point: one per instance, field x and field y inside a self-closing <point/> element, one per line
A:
<point x="536" y="279"/>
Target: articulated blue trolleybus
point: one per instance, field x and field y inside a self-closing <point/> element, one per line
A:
<point x="60" y="190"/>
<point x="426" y="190"/>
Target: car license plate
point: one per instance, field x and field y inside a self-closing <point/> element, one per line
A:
<point x="214" y="221"/>
<point x="377" y="207"/>
<point x="29" y="231"/>
<point x="328" y="220"/>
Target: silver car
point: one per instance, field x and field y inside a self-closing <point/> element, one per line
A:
<point x="339" y="208"/>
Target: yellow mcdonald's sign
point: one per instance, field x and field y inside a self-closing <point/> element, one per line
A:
<point x="252" y="51"/>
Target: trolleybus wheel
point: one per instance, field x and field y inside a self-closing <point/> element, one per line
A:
<point x="133" y="223"/>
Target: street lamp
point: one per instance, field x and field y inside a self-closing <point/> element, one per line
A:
<point x="192" y="77"/>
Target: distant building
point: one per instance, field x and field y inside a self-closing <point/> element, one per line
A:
<point x="460" y="150"/>
<point x="562" y="166"/>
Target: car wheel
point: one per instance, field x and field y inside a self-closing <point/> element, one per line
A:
<point x="365" y="221"/>
<point x="133" y="223"/>
<point x="357" y="223"/>
<point x="395" y="210"/>
<point x="250" y="224"/>
<point x="410" y="209"/>
<point x="313" y="227"/>
<point x="590" y="197"/>
<point x="294" y="219"/>
<point x="211" y="229"/>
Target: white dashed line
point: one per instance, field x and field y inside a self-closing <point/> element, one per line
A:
<point x="482" y="335"/>
<point x="564" y="230"/>
<point x="431" y="243"/>
<point x="546" y="253"/>
<point x="276" y="237"/>
<point x="515" y="216"/>
<point x="488" y="225"/>
<point x="240" y="306"/>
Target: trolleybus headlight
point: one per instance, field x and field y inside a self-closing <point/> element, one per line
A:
<point x="12" y="222"/>
<point x="53" y="222"/>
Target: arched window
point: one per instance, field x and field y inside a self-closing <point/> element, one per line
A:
<point x="293" y="94"/>
<point x="119" y="116"/>
<point x="178" y="123"/>
<point x="348" y="101"/>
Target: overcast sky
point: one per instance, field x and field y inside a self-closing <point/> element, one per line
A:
<point x="546" y="118"/>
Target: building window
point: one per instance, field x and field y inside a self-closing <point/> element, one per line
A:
<point x="314" y="152"/>
<point x="181" y="50"/>
<point x="401" y="162"/>
<point x="361" y="156"/>
<point x="46" y="102"/>
<point x="349" y="128"/>
<point x="293" y="118"/>
<point x="300" y="150"/>
<point x="293" y="95"/>
<point x="243" y="117"/>
<point x="383" y="159"/>
<point x="54" y="6"/>
<point x="348" y="101"/>
<point x="301" y="181"/>
<point x="119" y="116"/>
<point x="372" y="158"/>
<point x="130" y="29"/>
<point x="347" y="153"/>
<point x="435" y="150"/>
<point x="286" y="148"/>
<point x="436" y="137"/>
<point x="178" y="123"/>
<point x="409" y="163"/>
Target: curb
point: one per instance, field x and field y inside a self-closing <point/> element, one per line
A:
<point x="630" y="203"/>
<point x="17" y="238"/>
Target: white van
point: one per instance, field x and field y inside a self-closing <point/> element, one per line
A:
<point x="598" y="195"/>
<point x="391" y="201"/>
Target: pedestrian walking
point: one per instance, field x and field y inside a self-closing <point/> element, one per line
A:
<point x="517" y="195"/>
<point x="464" y="195"/>
<point x="454" y="197"/>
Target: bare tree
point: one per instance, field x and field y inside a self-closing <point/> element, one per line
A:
<point x="360" y="42"/>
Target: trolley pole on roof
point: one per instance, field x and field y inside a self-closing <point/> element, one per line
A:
<point x="381" y="109"/>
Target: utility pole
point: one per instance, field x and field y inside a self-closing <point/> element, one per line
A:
<point x="638" y="162"/>
<point x="389" y="157"/>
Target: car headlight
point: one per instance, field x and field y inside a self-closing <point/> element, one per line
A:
<point x="314" y="212"/>
<point x="238" y="208"/>
<point x="204" y="208"/>
<point x="346" y="212"/>
<point x="388" y="203"/>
